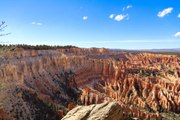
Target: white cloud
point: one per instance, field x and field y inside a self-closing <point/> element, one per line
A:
<point x="177" y="34"/>
<point x="127" y="7"/>
<point x="164" y="12"/>
<point x="85" y="17"/>
<point x="120" y="17"/>
<point x="111" y="16"/>
<point x="36" y="23"/>
<point x="33" y="23"/>
<point x="178" y="15"/>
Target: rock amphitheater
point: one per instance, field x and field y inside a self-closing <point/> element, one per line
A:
<point x="80" y="84"/>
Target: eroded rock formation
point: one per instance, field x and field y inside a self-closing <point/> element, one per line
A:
<point x="43" y="84"/>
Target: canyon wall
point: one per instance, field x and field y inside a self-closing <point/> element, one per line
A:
<point x="50" y="77"/>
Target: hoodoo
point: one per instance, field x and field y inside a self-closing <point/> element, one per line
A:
<point x="47" y="83"/>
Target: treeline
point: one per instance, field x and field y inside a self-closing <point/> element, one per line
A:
<point x="36" y="47"/>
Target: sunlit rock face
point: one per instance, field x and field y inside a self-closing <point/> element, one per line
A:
<point x="103" y="111"/>
<point x="44" y="84"/>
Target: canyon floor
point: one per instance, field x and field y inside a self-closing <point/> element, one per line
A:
<point x="70" y="83"/>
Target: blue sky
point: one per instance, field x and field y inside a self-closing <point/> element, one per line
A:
<point x="126" y="24"/>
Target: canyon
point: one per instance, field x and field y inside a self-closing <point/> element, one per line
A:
<point x="48" y="83"/>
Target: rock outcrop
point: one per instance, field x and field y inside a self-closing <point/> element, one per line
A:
<point x="103" y="111"/>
